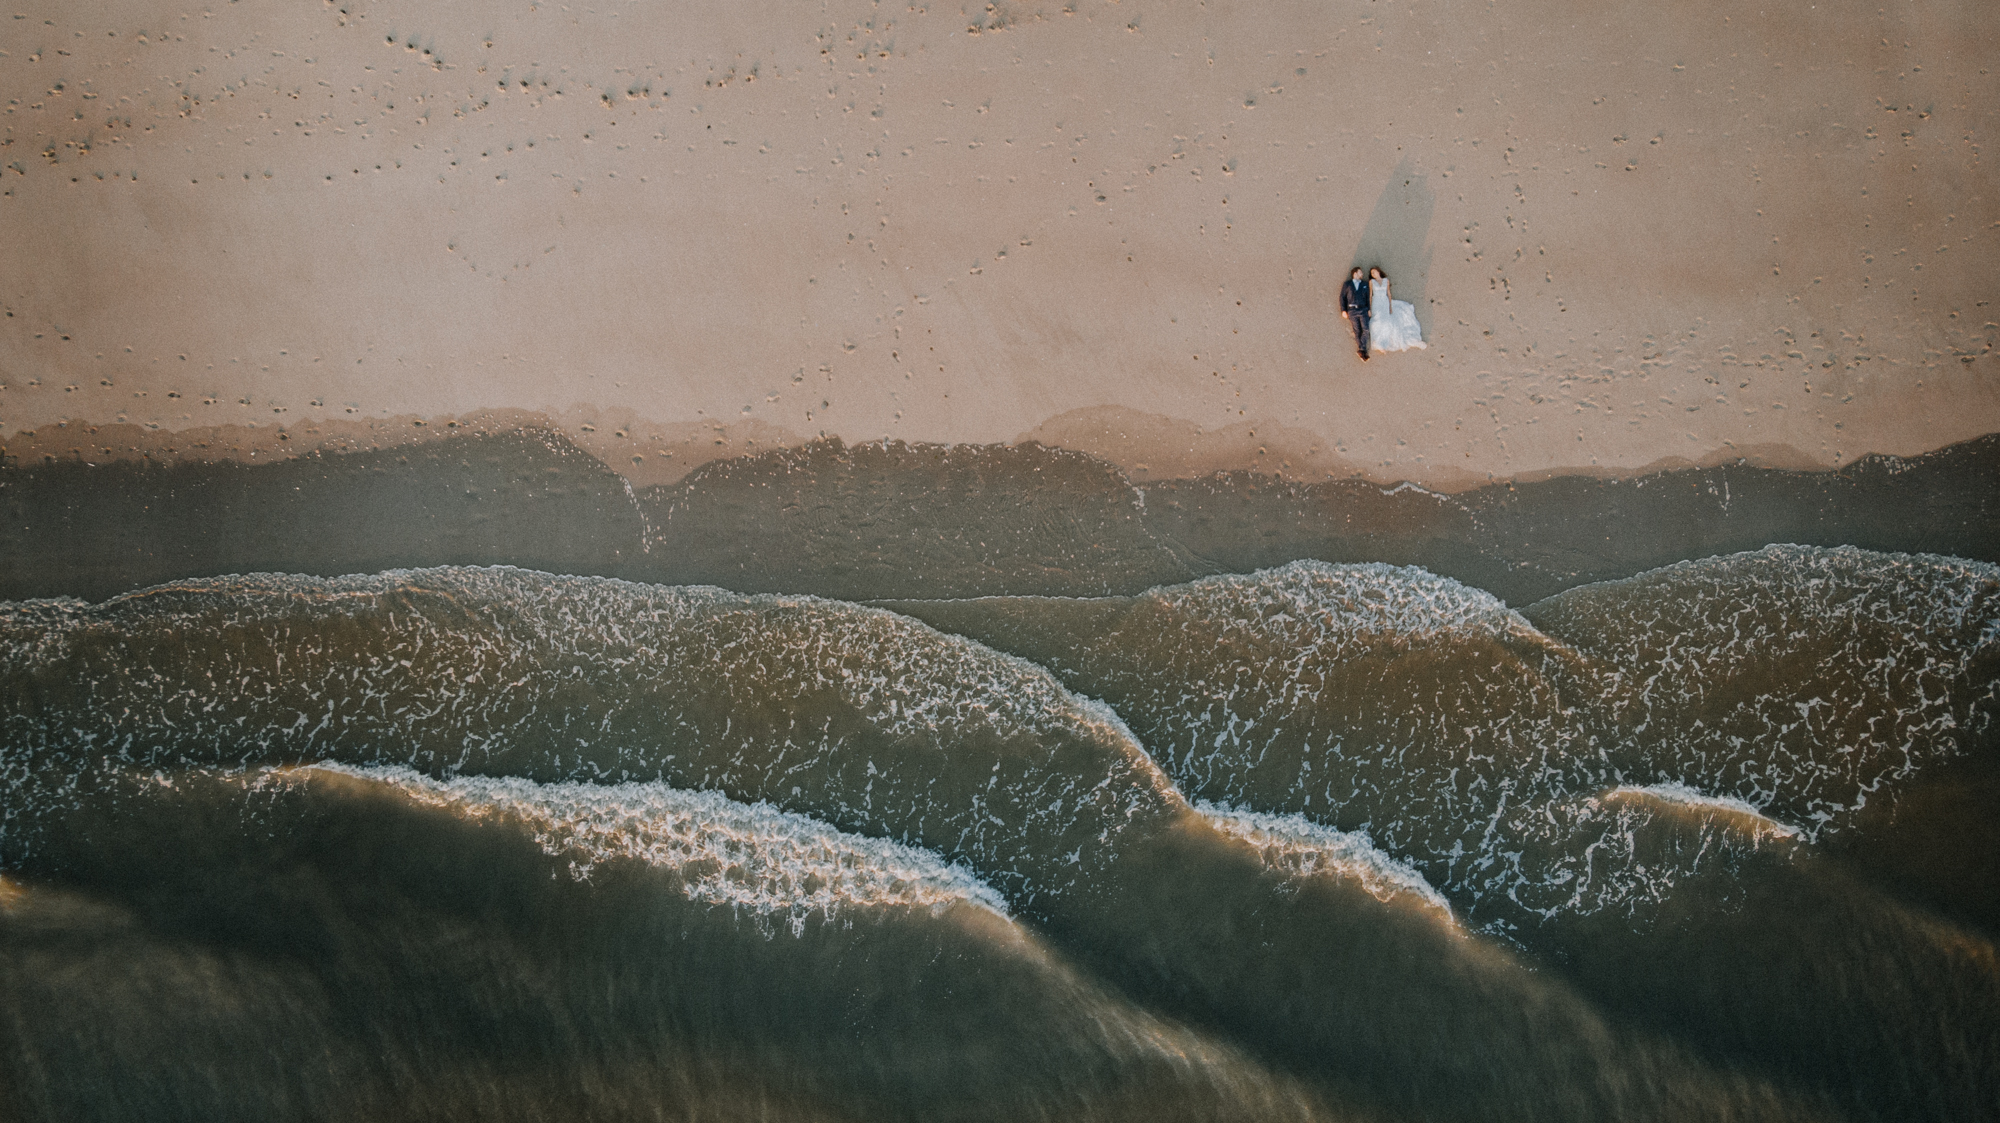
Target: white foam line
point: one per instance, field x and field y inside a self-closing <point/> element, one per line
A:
<point x="1689" y="797"/>
<point x="1325" y="601"/>
<point x="1420" y="490"/>
<point x="1303" y="847"/>
<point x="749" y="855"/>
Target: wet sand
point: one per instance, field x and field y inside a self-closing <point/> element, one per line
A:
<point x="888" y="520"/>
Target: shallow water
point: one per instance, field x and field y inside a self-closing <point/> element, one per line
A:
<point x="1323" y="841"/>
<point x="888" y="520"/>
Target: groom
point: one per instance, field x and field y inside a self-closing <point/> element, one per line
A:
<point x="1354" y="309"/>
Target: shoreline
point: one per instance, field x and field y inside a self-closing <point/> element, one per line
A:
<point x="892" y="520"/>
<point x="1145" y="447"/>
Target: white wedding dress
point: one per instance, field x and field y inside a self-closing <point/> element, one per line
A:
<point x="1392" y="324"/>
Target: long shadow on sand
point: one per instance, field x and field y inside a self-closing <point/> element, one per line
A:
<point x="1397" y="237"/>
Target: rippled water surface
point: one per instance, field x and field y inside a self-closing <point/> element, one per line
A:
<point x="1342" y="841"/>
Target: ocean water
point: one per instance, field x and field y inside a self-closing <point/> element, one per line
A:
<point x="1332" y="840"/>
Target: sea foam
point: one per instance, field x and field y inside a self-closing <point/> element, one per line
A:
<point x="1302" y="848"/>
<point x="747" y="855"/>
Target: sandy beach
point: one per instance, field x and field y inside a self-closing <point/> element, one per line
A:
<point x="1634" y="235"/>
<point x="834" y="562"/>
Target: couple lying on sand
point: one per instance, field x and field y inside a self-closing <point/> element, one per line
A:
<point x="1379" y="323"/>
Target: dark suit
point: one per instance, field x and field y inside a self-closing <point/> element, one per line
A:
<point x="1354" y="302"/>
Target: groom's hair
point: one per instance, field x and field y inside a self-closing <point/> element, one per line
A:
<point x="1357" y="271"/>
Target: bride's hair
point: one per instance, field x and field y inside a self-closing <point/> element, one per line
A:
<point x="1376" y="271"/>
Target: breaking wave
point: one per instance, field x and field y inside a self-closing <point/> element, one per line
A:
<point x="1444" y="858"/>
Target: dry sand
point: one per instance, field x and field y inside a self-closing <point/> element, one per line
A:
<point x="1636" y="233"/>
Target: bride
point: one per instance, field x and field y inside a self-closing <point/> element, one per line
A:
<point x="1392" y="324"/>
